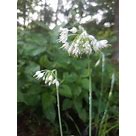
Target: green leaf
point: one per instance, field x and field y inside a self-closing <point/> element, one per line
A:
<point x="70" y="77"/>
<point x="48" y="102"/>
<point x="80" y="110"/>
<point x="76" y="91"/>
<point x="44" y="60"/>
<point x="85" y="83"/>
<point x="33" y="50"/>
<point x="65" y="91"/>
<point x="85" y="73"/>
<point x="30" y="69"/>
<point x="34" y="89"/>
<point x="20" y="96"/>
<point x="31" y="99"/>
<point x="67" y="104"/>
<point x="78" y="105"/>
<point x="50" y="113"/>
<point x="83" y="115"/>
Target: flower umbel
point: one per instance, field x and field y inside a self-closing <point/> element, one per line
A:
<point x="82" y="42"/>
<point x="48" y="76"/>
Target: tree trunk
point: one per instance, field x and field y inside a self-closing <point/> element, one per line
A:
<point x="115" y="55"/>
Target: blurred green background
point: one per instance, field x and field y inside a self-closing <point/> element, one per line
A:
<point x="38" y="23"/>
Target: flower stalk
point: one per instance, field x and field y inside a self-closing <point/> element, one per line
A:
<point x="58" y="106"/>
<point x="107" y="105"/>
<point x="50" y="78"/>
<point x="102" y="87"/>
<point x="90" y="98"/>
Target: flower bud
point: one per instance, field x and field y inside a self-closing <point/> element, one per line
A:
<point x="74" y="30"/>
<point x="50" y="78"/>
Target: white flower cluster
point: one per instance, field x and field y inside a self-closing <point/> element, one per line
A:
<point x="48" y="76"/>
<point x="82" y="43"/>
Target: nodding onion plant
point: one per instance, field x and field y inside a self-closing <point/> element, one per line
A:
<point x="50" y="78"/>
<point x="82" y="44"/>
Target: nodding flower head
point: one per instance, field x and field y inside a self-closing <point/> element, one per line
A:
<point x="48" y="76"/>
<point x="82" y="42"/>
<point x="73" y="30"/>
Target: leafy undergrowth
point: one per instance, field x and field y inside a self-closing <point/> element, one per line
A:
<point x="29" y="125"/>
<point x="37" y="114"/>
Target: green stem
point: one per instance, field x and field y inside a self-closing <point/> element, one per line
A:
<point x="59" y="116"/>
<point x="90" y="99"/>
<point x="107" y="105"/>
<point x="101" y="91"/>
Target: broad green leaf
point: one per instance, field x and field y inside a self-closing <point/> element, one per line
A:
<point x="44" y="60"/>
<point x="50" y="113"/>
<point x="85" y="73"/>
<point x="65" y="91"/>
<point x="76" y="91"/>
<point x="34" y="89"/>
<point x="20" y="96"/>
<point x="83" y="115"/>
<point x="78" y="105"/>
<point x="85" y="83"/>
<point x="48" y="102"/>
<point x="80" y="110"/>
<point x="31" y="99"/>
<point x="67" y="104"/>
<point x="70" y="77"/>
<point x="30" y="69"/>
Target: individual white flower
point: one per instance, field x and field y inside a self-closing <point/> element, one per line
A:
<point x="50" y="78"/>
<point x="46" y="81"/>
<point x="102" y="43"/>
<point x="73" y="30"/>
<point x="65" y="46"/>
<point x="63" y="38"/>
<point x="97" y="45"/>
<point x="76" y="51"/>
<point x="87" y="48"/>
<point x="63" y="35"/>
<point x="43" y="77"/>
<point x="70" y="49"/>
<point x="38" y="75"/>
<point x="49" y="83"/>
<point x="56" y="82"/>
<point x="91" y="37"/>
<point x="93" y="42"/>
<point x="83" y="35"/>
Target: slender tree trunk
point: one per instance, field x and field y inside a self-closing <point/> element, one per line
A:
<point x="24" y="14"/>
<point x="115" y="56"/>
<point x="58" y="9"/>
